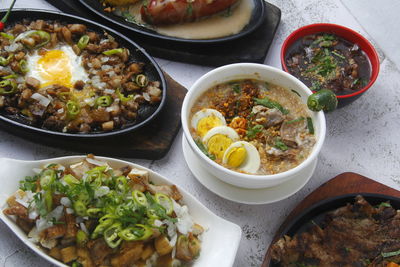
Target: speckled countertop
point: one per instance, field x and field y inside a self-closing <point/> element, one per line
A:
<point x="363" y="137"/>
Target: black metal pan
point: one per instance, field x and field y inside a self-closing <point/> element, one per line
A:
<point x="316" y="213"/>
<point x="146" y="113"/>
<point x="255" y="21"/>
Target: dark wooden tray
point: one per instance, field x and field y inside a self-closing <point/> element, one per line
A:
<point x="345" y="183"/>
<point x="150" y="142"/>
<point x="251" y="48"/>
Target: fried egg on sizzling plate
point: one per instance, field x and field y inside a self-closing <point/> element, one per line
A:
<point x="218" y="139"/>
<point x="57" y="66"/>
<point x="206" y="119"/>
<point x="243" y="156"/>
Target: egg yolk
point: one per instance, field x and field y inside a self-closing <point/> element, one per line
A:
<point x="55" y="68"/>
<point x="217" y="145"/>
<point x="207" y="123"/>
<point x="236" y="156"/>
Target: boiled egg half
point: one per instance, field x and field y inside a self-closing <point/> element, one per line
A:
<point x="57" y="66"/>
<point x="206" y="119"/>
<point x="218" y="139"/>
<point x="243" y="156"/>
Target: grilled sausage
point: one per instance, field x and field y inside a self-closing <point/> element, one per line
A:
<point x="163" y="12"/>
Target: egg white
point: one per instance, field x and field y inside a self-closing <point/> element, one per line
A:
<point x="206" y="112"/>
<point x="252" y="162"/>
<point x="75" y="65"/>
<point x="224" y="130"/>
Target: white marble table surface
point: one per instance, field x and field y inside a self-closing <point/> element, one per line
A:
<point x="363" y="137"/>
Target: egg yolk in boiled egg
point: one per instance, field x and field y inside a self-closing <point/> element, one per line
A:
<point x="243" y="156"/>
<point x="236" y="156"/>
<point x="218" y="139"/>
<point x="206" y="119"/>
<point x="59" y="66"/>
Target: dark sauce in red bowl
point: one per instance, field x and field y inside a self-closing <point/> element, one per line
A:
<point x="325" y="60"/>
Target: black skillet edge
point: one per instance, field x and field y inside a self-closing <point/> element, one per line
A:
<point x="33" y="14"/>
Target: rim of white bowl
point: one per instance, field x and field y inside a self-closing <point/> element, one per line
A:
<point x="256" y="177"/>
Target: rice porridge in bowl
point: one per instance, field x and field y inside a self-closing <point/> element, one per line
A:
<point x="250" y="121"/>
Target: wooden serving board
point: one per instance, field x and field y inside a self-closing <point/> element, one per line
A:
<point x="150" y="142"/>
<point x="345" y="183"/>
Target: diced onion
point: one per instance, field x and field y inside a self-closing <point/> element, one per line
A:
<point x="157" y="223"/>
<point x="34" y="235"/>
<point x="109" y="91"/>
<point x="185" y="222"/>
<point x="146" y="96"/>
<point x="83" y="227"/>
<point x="101" y="191"/>
<point x="66" y="202"/>
<point x="37" y="170"/>
<point x="173" y="240"/>
<point x="96" y="162"/>
<point x="33" y="214"/>
<point x="44" y="101"/>
<point x="22" y="202"/>
<point x="56" y="213"/>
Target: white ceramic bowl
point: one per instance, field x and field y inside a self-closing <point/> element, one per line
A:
<point x="220" y="241"/>
<point x="261" y="72"/>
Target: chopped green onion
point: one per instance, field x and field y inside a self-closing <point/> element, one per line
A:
<point x="73" y="109"/>
<point x="47" y="178"/>
<point x="83" y="42"/>
<point x="338" y="55"/>
<point x="252" y="132"/>
<point x="122" y="97"/>
<point x="111" y="235"/>
<point x="122" y="184"/>
<point x="48" y="200"/>
<point x="141" y="80"/>
<point x="295" y="120"/>
<point x="7" y="36"/>
<point x="164" y="201"/>
<point x="269" y="103"/>
<point x="279" y="144"/>
<point x="81" y="238"/>
<point x="113" y="51"/>
<point x="23" y="66"/>
<point x="203" y="149"/>
<point x="4" y="61"/>
<point x="139" y="198"/>
<point x="236" y="88"/>
<point x="29" y="183"/>
<point x="390" y="254"/>
<point x="136" y="233"/>
<point x="385" y="204"/>
<point x="80" y="208"/>
<point x="70" y="179"/>
<point x="94" y="212"/>
<point x="44" y="37"/>
<point x="104" y="101"/>
<point x="8" y="87"/>
<point x="310" y="125"/>
<point x="11" y="76"/>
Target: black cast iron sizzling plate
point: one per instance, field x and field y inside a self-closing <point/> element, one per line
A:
<point x="146" y="113"/>
<point x="317" y="212"/>
<point x="256" y="19"/>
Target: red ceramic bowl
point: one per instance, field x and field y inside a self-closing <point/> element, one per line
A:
<point x="347" y="34"/>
